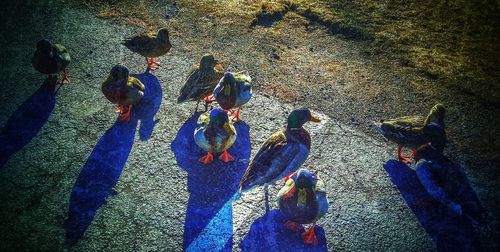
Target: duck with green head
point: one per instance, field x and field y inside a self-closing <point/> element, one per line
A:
<point x="233" y="91"/>
<point x="51" y="59"/>
<point x="303" y="201"/>
<point x="151" y="46"/>
<point x="413" y="131"/>
<point x="215" y="133"/>
<point x="201" y="81"/>
<point x="124" y="90"/>
<point x="282" y="154"/>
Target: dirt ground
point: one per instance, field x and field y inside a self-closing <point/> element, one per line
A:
<point x="293" y="61"/>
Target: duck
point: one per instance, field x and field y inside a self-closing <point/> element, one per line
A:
<point x="215" y="133"/>
<point x="413" y="131"/>
<point x="51" y="59"/>
<point x="151" y="46"/>
<point x="232" y="92"/>
<point x="124" y="90"/>
<point x="303" y="201"/>
<point x="282" y="154"/>
<point x="201" y="81"/>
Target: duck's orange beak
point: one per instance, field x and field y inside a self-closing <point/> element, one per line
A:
<point x="314" y="119"/>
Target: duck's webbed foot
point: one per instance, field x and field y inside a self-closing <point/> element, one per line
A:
<point x="207" y="159"/>
<point x="401" y="157"/>
<point x="65" y="79"/>
<point x="125" y="112"/>
<point x="152" y="63"/>
<point x="209" y="99"/>
<point x="226" y="157"/>
<point x="309" y="237"/>
<point x="292" y="226"/>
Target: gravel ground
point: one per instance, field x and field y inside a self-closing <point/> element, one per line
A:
<point x="149" y="209"/>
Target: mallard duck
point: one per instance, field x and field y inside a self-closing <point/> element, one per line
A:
<point x="215" y="133"/>
<point x="201" y="81"/>
<point x="151" y="46"/>
<point x="414" y="131"/>
<point x="233" y="91"/>
<point x="51" y="59"/>
<point x="303" y="201"/>
<point x="124" y="90"/>
<point x="282" y="154"/>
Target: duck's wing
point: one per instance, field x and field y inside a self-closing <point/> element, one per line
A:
<point x="136" y="83"/>
<point x="321" y="198"/>
<point x="141" y="43"/>
<point x="276" y="157"/>
<point x="61" y="55"/>
<point x="403" y="124"/>
<point x="197" y="85"/>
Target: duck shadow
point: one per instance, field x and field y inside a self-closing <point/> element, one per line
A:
<point x="209" y="218"/>
<point x="448" y="231"/>
<point x="105" y="164"/>
<point x="268" y="233"/>
<point x="25" y="123"/>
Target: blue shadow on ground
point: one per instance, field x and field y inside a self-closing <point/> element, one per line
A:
<point x="148" y="107"/>
<point x="268" y="234"/>
<point x="25" y="123"/>
<point x="209" y="217"/>
<point x="105" y="164"/>
<point x="448" y="231"/>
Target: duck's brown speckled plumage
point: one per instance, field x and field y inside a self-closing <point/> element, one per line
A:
<point x="414" y="131"/>
<point x="150" y="44"/>
<point x="201" y="80"/>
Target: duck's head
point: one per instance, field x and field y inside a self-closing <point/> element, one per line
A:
<point x="163" y="35"/>
<point x="119" y="72"/>
<point x="305" y="180"/>
<point x="437" y="114"/>
<point x="218" y="117"/>
<point x="428" y="152"/>
<point x="300" y="116"/>
<point x="229" y="77"/>
<point x="207" y="61"/>
<point x="44" y="45"/>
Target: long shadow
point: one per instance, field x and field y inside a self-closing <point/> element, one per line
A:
<point x="448" y="231"/>
<point x="209" y="225"/>
<point x="105" y="164"/>
<point x="25" y="123"/>
<point x="267" y="233"/>
<point x="146" y="111"/>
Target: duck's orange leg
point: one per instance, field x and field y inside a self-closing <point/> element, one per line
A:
<point x="208" y="99"/>
<point x="125" y="112"/>
<point x="226" y="157"/>
<point x="65" y="79"/>
<point x="309" y="237"/>
<point x="292" y="226"/>
<point x="289" y="176"/>
<point x="152" y="63"/>
<point x="207" y="159"/>
<point x="401" y="157"/>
